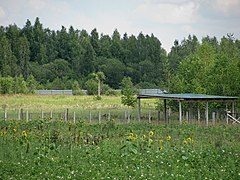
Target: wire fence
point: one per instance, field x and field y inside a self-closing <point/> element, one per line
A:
<point x="119" y="116"/>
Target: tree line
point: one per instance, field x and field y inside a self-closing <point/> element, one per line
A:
<point x="69" y="59"/>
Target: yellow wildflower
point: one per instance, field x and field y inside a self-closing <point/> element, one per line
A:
<point x="168" y="138"/>
<point x="144" y="137"/>
<point x="160" y="141"/>
<point x="161" y="148"/>
<point x="150" y="141"/>
<point x="151" y="133"/>
<point x="14" y="130"/>
<point x="131" y="134"/>
<point x="189" y="140"/>
<point x="130" y="138"/>
<point x="24" y="134"/>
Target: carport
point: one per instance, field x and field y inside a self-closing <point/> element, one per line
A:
<point x="186" y="98"/>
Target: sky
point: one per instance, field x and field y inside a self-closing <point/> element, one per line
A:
<point x="168" y="20"/>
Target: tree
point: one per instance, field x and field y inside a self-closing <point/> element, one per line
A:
<point x="99" y="77"/>
<point x="23" y="56"/>
<point x="128" y="92"/>
<point x="6" y="85"/>
<point x="114" y="70"/>
<point x="20" y="86"/>
<point x="31" y="84"/>
<point x="91" y="86"/>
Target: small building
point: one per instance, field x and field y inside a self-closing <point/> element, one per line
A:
<point x="54" y="92"/>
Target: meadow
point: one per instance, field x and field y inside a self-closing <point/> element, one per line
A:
<point x="59" y="149"/>
<point x="62" y="102"/>
<point x="45" y="149"/>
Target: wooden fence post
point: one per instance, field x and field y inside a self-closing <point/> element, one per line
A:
<point x="213" y="117"/>
<point x="5" y="114"/>
<point x="51" y="115"/>
<point x="74" y="117"/>
<point x="67" y="114"/>
<point x="187" y="117"/>
<point x="128" y="117"/>
<point x="149" y="117"/>
<point x="19" y="114"/>
<point x="42" y="115"/>
<point x="198" y="114"/>
<point x="109" y="115"/>
<point x="99" y="117"/>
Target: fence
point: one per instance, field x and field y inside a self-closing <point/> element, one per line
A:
<point x="119" y="116"/>
<point x="69" y="92"/>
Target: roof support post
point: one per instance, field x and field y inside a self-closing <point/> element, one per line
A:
<point x="180" y="112"/>
<point x="233" y="108"/>
<point x="190" y="112"/>
<point x="198" y="113"/>
<point x="165" y="111"/>
<point x="206" y="113"/>
<point x="139" y="110"/>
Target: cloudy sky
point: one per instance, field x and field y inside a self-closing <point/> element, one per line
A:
<point x="166" y="19"/>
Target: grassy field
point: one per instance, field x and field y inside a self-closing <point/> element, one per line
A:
<point x="62" y="102"/>
<point x="44" y="149"/>
<point x="49" y="149"/>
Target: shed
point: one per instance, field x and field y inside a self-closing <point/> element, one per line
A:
<point x="186" y="98"/>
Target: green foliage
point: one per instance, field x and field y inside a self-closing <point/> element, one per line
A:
<point x="79" y="150"/>
<point x="210" y="70"/>
<point x="209" y="66"/>
<point x="128" y="92"/>
<point x="17" y="85"/>
<point x="91" y="86"/>
<point x="6" y="85"/>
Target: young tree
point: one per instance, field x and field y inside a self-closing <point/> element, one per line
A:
<point x="99" y="76"/>
<point x="128" y="92"/>
<point x="31" y="84"/>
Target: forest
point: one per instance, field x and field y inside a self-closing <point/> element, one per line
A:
<point x="34" y="57"/>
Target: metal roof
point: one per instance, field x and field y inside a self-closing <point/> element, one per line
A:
<point x="189" y="97"/>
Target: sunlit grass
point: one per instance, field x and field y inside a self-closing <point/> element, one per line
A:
<point x="60" y="102"/>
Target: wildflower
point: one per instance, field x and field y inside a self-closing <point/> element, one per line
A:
<point x="161" y="148"/>
<point x="151" y="133"/>
<point x="14" y="130"/>
<point x="24" y="134"/>
<point x="150" y="141"/>
<point x="131" y="134"/>
<point x="188" y="140"/>
<point x="168" y="138"/>
<point x="160" y="141"/>
<point x="144" y="137"/>
<point x="130" y="138"/>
